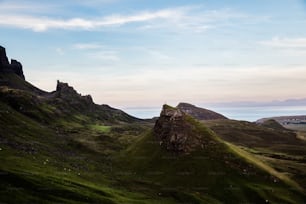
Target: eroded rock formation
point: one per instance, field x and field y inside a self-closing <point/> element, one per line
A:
<point x="6" y="67"/>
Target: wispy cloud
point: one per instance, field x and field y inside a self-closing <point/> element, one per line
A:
<point x="105" y="55"/>
<point x="192" y="18"/>
<point x="295" y="47"/>
<point x="88" y="46"/>
<point x="94" y="3"/>
<point x="158" y="55"/>
<point x="40" y="24"/>
<point x="278" y="42"/>
<point x="60" y="51"/>
<point x="26" y="7"/>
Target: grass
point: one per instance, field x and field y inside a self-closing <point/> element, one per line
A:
<point x="297" y="127"/>
<point x="222" y="171"/>
<point x="101" y="128"/>
<point x="28" y="178"/>
<point x="250" y="158"/>
<point x="301" y="135"/>
<point x="78" y="158"/>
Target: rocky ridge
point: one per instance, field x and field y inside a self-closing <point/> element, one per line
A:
<point x="13" y="67"/>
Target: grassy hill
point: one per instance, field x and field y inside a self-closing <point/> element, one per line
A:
<point x="220" y="172"/>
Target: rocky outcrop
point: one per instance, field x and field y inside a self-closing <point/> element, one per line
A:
<point x="64" y="91"/>
<point x="199" y="113"/>
<point x="3" y="58"/>
<point x="6" y="67"/>
<point x="16" y="67"/>
<point x="177" y="131"/>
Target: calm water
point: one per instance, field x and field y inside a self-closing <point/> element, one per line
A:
<point x="238" y="113"/>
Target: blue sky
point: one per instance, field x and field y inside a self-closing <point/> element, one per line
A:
<point x="137" y="53"/>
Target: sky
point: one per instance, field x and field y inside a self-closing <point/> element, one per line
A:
<point x="140" y="53"/>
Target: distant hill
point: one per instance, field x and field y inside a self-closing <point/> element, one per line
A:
<point x="273" y="124"/>
<point x="280" y="119"/>
<point x="199" y="113"/>
<point x="253" y="135"/>
<point x="297" y="122"/>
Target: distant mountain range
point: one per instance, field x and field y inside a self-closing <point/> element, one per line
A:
<point x="287" y="102"/>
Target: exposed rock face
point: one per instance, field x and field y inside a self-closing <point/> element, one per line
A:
<point x="6" y="67"/>
<point x="17" y="68"/>
<point x="176" y="131"/>
<point x="199" y="113"/>
<point x="3" y="58"/>
<point x="63" y="90"/>
<point x="67" y="95"/>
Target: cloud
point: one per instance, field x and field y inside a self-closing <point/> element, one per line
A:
<point x="60" y="51"/>
<point x="94" y="3"/>
<point x="105" y="55"/>
<point x="189" y="17"/>
<point x="88" y="46"/>
<point x="212" y="84"/>
<point x="278" y="42"/>
<point x="26" y="7"/>
<point x="295" y="47"/>
<point x="40" y="24"/>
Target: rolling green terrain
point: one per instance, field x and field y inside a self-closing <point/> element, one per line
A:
<point x="61" y="147"/>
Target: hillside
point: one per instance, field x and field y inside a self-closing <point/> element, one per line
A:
<point x="55" y="147"/>
<point x="195" y="165"/>
<point x="61" y="147"/>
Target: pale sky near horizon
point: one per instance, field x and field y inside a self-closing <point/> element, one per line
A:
<point x="138" y="53"/>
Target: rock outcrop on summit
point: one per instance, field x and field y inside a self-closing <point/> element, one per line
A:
<point x="199" y="113"/>
<point x="66" y="95"/>
<point x="63" y="90"/>
<point x="178" y="132"/>
<point x="13" y="67"/>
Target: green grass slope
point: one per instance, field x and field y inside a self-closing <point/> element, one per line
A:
<point x="257" y="136"/>
<point x="65" y="162"/>
<point x="219" y="173"/>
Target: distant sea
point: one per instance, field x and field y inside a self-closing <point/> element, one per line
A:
<point x="251" y="113"/>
